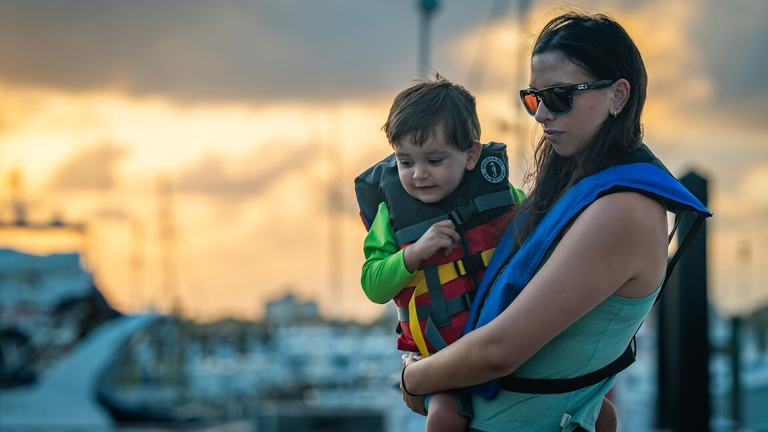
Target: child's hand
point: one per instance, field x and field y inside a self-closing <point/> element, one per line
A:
<point x="411" y="358"/>
<point x="441" y="235"/>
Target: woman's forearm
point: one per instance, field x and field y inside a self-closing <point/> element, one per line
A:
<point x="474" y="359"/>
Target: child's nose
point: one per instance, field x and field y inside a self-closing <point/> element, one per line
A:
<point x="420" y="173"/>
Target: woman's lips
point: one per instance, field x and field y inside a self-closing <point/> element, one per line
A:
<point x="551" y="134"/>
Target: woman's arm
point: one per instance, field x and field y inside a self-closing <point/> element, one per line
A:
<point x="617" y="245"/>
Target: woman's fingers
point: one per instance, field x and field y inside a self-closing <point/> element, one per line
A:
<point x="415" y="403"/>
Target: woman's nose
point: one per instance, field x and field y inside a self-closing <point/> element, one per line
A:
<point x="542" y="113"/>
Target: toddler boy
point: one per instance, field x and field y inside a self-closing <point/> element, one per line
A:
<point x="434" y="211"/>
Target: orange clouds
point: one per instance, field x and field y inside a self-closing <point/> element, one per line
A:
<point x="251" y="180"/>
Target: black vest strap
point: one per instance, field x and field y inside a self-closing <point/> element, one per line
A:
<point x="687" y="240"/>
<point x="480" y="204"/>
<point x="454" y="306"/>
<point x="433" y="335"/>
<point x="436" y="296"/>
<point x="414" y="232"/>
<point x="459" y="215"/>
<point x="565" y="385"/>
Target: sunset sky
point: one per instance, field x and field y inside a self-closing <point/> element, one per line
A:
<point x="236" y="127"/>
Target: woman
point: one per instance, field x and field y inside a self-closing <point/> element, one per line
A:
<point x="589" y="247"/>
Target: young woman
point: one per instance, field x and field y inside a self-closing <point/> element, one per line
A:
<point x="586" y="255"/>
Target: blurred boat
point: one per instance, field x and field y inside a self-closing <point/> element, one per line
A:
<point x="65" y="394"/>
<point x="48" y="303"/>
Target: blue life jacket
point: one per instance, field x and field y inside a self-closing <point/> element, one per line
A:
<point x="509" y="271"/>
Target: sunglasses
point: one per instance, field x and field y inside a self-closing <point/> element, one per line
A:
<point x="558" y="99"/>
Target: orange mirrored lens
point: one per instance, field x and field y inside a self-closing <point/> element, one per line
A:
<point x="531" y="103"/>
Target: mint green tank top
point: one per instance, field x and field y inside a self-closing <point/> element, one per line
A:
<point x="590" y="343"/>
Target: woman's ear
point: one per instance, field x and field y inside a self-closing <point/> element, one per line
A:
<point x="619" y="96"/>
<point x="473" y="154"/>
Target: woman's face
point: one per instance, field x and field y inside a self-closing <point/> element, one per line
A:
<point x="570" y="133"/>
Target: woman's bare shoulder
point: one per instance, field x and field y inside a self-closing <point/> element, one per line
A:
<point x="633" y="226"/>
<point x="631" y="209"/>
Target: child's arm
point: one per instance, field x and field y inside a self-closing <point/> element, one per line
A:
<point x="386" y="270"/>
<point x="518" y="196"/>
<point x="384" y="273"/>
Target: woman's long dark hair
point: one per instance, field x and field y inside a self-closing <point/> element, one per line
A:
<point x="604" y="50"/>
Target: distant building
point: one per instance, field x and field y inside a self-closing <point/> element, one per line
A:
<point x="41" y="282"/>
<point x="291" y="311"/>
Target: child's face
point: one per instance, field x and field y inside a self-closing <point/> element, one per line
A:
<point x="431" y="172"/>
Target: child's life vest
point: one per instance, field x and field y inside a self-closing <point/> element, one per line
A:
<point x="441" y="292"/>
<point x="511" y="269"/>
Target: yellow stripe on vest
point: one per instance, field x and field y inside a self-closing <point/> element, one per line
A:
<point x="413" y="320"/>
<point x="447" y="273"/>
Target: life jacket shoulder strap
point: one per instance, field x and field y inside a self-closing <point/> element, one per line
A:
<point x="459" y="216"/>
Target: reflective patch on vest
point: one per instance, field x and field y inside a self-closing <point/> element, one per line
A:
<point x="493" y="169"/>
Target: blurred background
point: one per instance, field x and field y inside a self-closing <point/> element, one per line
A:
<point x="176" y="196"/>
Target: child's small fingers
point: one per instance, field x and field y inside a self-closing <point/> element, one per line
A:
<point x="447" y="224"/>
<point x="455" y="236"/>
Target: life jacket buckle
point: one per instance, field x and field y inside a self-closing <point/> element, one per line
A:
<point x="471" y="264"/>
<point x="455" y="217"/>
<point x="458" y="265"/>
<point x="467" y="297"/>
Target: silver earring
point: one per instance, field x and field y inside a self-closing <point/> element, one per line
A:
<point x="616" y="111"/>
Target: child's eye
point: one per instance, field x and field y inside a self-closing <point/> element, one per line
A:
<point x="435" y="161"/>
<point x="404" y="163"/>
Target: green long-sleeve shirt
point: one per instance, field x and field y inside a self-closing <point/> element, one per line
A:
<point x="384" y="274"/>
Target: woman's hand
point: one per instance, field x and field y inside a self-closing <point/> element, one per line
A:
<point x="414" y="402"/>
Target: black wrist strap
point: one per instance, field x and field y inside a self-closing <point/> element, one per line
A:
<point x="402" y="383"/>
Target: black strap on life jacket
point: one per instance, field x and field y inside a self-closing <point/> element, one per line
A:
<point x="440" y="310"/>
<point x="454" y="306"/>
<point x="565" y="385"/>
<point x="459" y="215"/>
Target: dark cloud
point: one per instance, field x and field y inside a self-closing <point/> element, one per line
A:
<point x="259" y="50"/>
<point x="732" y="38"/>
<point x="91" y="169"/>
<point x="220" y="50"/>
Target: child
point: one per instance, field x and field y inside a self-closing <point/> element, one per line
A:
<point x="437" y="206"/>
